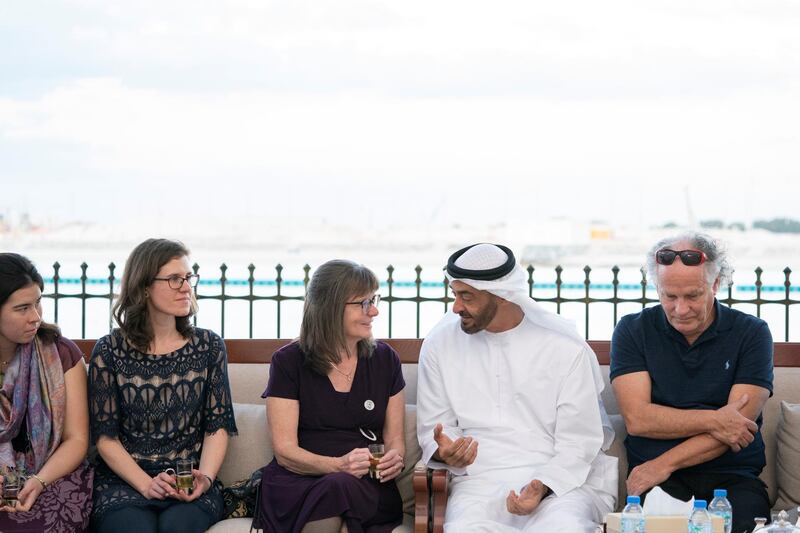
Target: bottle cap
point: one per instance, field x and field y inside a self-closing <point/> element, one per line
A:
<point x="699" y="504"/>
<point x="720" y="493"/>
<point x="634" y="499"/>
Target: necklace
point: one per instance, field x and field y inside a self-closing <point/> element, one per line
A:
<point x="348" y="375"/>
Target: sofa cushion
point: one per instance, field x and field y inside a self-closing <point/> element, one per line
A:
<point x="785" y="389"/>
<point x="788" y="456"/>
<point x="405" y="481"/>
<point x="248" y="382"/>
<point x="232" y="525"/>
<point x="251" y="448"/>
<point x="617" y="450"/>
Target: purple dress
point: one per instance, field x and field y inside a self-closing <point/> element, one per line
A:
<point x="329" y="425"/>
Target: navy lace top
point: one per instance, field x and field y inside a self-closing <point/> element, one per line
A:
<point x="160" y="407"/>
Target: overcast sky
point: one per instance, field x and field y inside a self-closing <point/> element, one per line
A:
<point x="432" y="111"/>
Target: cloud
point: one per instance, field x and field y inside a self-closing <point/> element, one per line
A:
<point x="578" y="50"/>
<point x="362" y="135"/>
<point x="603" y="104"/>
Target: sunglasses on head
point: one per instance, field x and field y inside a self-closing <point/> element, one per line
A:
<point x="666" y="256"/>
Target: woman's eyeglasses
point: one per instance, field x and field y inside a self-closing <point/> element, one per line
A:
<point x="176" y="282"/>
<point x="666" y="256"/>
<point x="368" y="303"/>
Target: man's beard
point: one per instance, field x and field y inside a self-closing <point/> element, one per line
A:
<point x="480" y="320"/>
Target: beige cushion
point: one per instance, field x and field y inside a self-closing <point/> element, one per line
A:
<point x="617" y="450"/>
<point x="232" y="525"/>
<point x="413" y="454"/>
<point x="248" y="382"/>
<point x="788" y="456"/>
<point x="784" y="389"/>
<point x="410" y="377"/>
<point x="251" y="448"/>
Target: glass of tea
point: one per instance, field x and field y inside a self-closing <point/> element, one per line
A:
<point x="184" y="480"/>
<point x="376" y="452"/>
<point x="12" y="484"/>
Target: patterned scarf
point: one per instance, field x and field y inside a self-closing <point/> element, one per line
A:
<point x="33" y="389"/>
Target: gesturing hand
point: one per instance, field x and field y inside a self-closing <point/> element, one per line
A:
<point x="732" y="427"/>
<point x="355" y="463"/>
<point x="458" y="453"/>
<point x="528" y="499"/>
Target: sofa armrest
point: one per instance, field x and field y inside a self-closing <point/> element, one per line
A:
<point x="430" y="498"/>
<point x="422" y="498"/>
<point x="440" y="481"/>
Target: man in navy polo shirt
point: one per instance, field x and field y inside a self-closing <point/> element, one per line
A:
<point x="691" y="378"/>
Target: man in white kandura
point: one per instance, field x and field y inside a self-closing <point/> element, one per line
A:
<point x="509" y="401"/>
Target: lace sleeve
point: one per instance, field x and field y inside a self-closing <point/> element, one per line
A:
<point x="219" y="405"/>
<point x="103" y="401"/>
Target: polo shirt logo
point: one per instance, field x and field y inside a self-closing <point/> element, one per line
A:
<point x="727" y="364"/>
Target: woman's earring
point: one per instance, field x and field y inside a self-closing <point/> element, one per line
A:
<point x="146" y="294"/>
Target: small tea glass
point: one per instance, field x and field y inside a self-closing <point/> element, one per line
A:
<point x="376" y="451"/>
<point x="184" y="479"/>
<point x="12" y="484"/>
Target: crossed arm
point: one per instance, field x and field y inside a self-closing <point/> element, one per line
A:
<point x="708" y="433"/>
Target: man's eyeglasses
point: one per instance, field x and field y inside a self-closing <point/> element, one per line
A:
<point x="665" y="256"/>
<point x="368" y="303"/>
<point x="176" y="282"/>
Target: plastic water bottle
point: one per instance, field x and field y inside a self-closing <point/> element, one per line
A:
<point x="700" y="520"/>
<point x="720" y="506"/>
<point x="632" y="516"/>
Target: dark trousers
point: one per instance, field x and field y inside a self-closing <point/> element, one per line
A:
<point x="748" y="496"/>
<point x="167" y="516"/>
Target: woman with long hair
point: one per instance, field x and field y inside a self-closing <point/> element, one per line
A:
<point x="331" y="394"/>
<point x="158" y="395"/>
<point x="44" y="426"/>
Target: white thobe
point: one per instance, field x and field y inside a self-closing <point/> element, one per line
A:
<point x="530" y="398"/>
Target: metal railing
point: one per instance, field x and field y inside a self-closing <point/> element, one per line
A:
<point x="418" y="292"/>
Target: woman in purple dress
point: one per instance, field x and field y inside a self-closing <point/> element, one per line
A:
<point x="44" y="422"/>
<point x="330" y="394"/>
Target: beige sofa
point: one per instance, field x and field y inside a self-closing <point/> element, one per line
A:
<point x="252" y="450"/>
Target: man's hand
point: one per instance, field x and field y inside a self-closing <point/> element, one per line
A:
<point x="458" y="453"/>
<point x="646" y="476"/>
<point x="528" y="499"/>
<point x="731" y="427"/>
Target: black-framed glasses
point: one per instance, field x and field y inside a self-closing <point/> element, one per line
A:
<point x="176" y="282"/>
<point x="368" y="303"/>
<point x="666" y="256"/>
